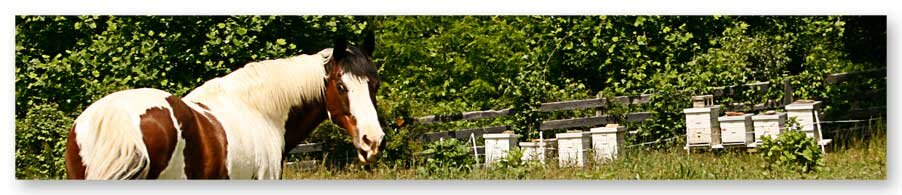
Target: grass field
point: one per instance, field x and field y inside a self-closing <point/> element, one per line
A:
<point x="857" y="159"/>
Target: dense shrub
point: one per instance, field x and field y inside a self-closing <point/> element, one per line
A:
<point x="513" y="165"/>
<point x="74" y="60"/>
<point x="41" y="143"/>
<point x="793" y="150"/>
<point x="446" y="158"/>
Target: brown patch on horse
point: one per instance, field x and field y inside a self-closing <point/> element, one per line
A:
<point x="202" y="105"/>
<point x="205" y="142"/>
<point x="160" y="138"/>
<point x="75" y="168"/>
<point x="302" y="120"/>
<point x="337" y="102"/>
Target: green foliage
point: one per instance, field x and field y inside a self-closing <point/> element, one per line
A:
<point x="402" y="140"/>
<point x="792" y="149"/>
<point x="402" y="143"/>
<point x="74" y="60"/>
<point x="513" y="165"/>
<point x="339" y="148"/>
<point x="41" y="143"/>
<point x="667" y="120"/>
<point x="529" y="89"/>
<point x="446" y="158"/>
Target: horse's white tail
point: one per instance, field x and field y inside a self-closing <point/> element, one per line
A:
<point x="110" y="139"/>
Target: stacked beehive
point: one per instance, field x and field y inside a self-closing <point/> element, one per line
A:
<point x="497" y="145"/>
<point x="607" y="141"/>
<point x="702" y="127"/>
<point x="536" y="149"/>
<point x="768" y="124"/>
<point x="573" y="147"/>
<point x="736" y="129"/>
<point x="805" y="113"/>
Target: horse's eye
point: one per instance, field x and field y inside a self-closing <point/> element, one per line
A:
<point x="341" y="88"/>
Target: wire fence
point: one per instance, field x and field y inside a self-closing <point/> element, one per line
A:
<point x="654" y="142"/>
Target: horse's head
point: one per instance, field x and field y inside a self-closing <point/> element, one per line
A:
<point x="351" y="85"/>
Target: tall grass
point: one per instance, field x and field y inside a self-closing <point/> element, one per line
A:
<point x="861" y="155"/>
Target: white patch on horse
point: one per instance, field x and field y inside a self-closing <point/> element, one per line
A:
<point x="252" y="104"/>
<point x="364" y="111"/>
<point x="109" y="134"/>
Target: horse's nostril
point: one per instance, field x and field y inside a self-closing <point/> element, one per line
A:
<point x="366" y="141"/>
<point x="364" y="153"/>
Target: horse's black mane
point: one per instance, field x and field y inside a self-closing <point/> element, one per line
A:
<point x="357" y="62"/>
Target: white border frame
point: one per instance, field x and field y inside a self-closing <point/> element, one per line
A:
<point x="446" y="7"/>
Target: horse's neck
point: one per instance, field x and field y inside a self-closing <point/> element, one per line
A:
<point x="271" y="88"/>
<point x="302" y="120"/>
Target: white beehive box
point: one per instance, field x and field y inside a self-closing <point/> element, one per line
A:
<point x="803" y="111"/>
<point x="737" y="130"/>
<point x="768" y="124"/>
<point x="702" y="127"/>
<point x="573" y="148"/>
<point x="497" y="145"/>
<point x="536" y="150"/>
<point x="607" y="141"/>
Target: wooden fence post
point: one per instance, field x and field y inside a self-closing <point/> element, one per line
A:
<point x="787" y="92"/>
<point x="599" y="111"/>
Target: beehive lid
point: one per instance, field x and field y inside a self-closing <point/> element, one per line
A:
<point x="571" y="135"/>
<point x="803" y="105"/>
<point x="734" y="113"/>
<point x="499" y="136"/>
<point x="734" y="118"/>
<point x="700" y="110"/>
<point x="767" y="116"/>
<point x="534" y="144"/>
<point x="545" y="140"/>
<point x="607" y="129"/>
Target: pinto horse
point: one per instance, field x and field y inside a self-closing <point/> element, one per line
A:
<point x="239" y="126"/>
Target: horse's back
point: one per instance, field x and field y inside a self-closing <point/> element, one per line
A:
<point x="129" y="134"/>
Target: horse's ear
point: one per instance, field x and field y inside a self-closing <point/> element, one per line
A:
<point x="369" y="43"/>
<point x="341" y="44"/>
<point x="338" y="53"/>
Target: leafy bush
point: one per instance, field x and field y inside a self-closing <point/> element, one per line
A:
<point x="792" y="149"/>
<point x="667" y="118"/>
<point x="41" y="143"/>
<point x="401" y="144"/>
<point x="339" y="149"/>
<point x="446" y="158"/>
<point x="529" y="89"/>
<point x="74" y="60"/>
<point x="402" y="140"/>
<point x="513" y="165"/>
